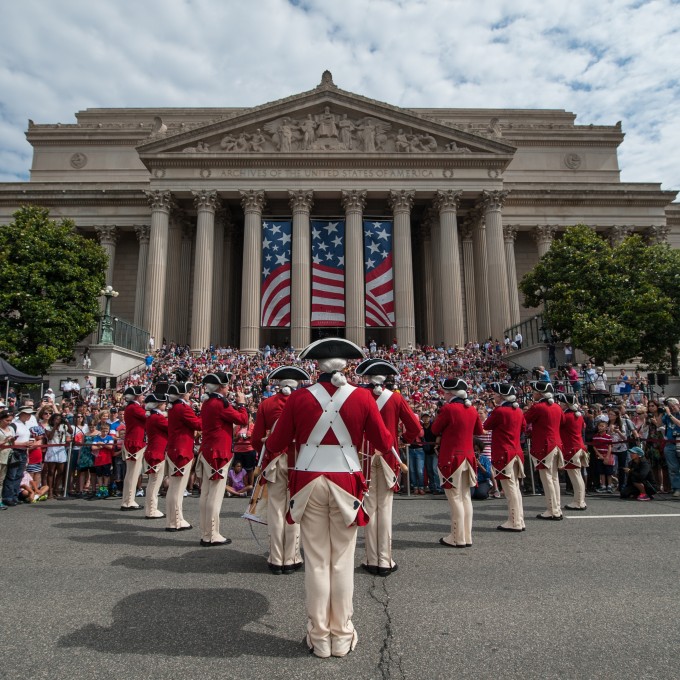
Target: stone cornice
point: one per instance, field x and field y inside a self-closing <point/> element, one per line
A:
<point x="584" y="196"/>
<point x="63" y="195"/>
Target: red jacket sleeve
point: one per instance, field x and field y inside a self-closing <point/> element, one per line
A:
<point x="259" y="430"/>
<point x="284" y="432"/>
<point x="375" y="429"/>
<point x="235" y="416"/>
<point x="191" y="419"/>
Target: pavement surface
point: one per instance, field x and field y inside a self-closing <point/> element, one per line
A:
<point x="91" y="592"/>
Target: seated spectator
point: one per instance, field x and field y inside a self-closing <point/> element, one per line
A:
<point x="236" y="481"/>
<point x="484" y="476"/>
<point x="640" y="479"/>
<point x="30" y="492"/>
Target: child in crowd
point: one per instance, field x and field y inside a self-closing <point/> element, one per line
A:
<point x="236" y="481"/>
<point x="30" y="492"/>
<point x="102" y="447"/>
<point x="602" y="443"/>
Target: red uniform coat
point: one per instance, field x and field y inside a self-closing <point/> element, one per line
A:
<point x="394" y="411"/>
<point x="182" y="423"/>
<point x="362" y="419"/>
<point x="457" y="424"/>
<point x="571" y="432"/>
<point x="545" y="420"/>
<point x="268" y="413"/>
<point x="506" y="425"/>
<point x="156" y="438"/>
<point x="218" y="419"/>
<point x="135" y="427"/>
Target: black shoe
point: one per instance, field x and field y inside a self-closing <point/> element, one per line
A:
<point x="571" y="507"/>
<point x="191" y="526"/>
<point x="159" y="517"/>
<point x="370" y="568"/>
<point x="129" y="508"/>
<point x="298" y="565"/>
<point x="210" y="544"/>
<point x="551" y="518"/>
<point x="11" y="504"/>
<point x="502" y="528"/>
<point x="276" y="569"/>
<point x="386" y="571"/>
<point x="288" y="569"/>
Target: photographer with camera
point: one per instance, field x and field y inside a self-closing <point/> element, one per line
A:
<point x="671" y="451"/>
<point x="639" y="477"/>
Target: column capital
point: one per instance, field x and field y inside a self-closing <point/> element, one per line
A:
<point x="447" y="200"/>
<point x="467" y="226"/>
<point x="206" y="200"/>
<point x="544" y="233"/>
<point x="401" y="201"/>
<point x="353" y="200"/>
<point x="301" y="200"/>
<point x="107" y="234"/>
<point x="493" y="200"/>
<point x="510" y="232"/>
<point x="160" y="200"/>
<point x="658" y="234"/>
<point x="143" y="232"/>
<point x="253" y="201"/>
<point x="618" y="234"/>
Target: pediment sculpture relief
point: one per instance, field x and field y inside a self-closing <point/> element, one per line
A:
<point x="328" y="131"/>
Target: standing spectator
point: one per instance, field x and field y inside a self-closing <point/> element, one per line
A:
<point x="416" y="466"/>
<point x="568" y="353"/>
<point x="602" y="443"/>
<point x="429" y="448"/>
<point x="102" y="446"/>
<point x="7" y="435"/>
<point x="57" y="435"/>
<point x="671" y="451"/>
<point x="16" y="463"/>
<point x="518" y="340"/>
<point x="243" y="448"/>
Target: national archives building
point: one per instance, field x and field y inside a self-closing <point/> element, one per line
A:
<point x="189" y="202"/>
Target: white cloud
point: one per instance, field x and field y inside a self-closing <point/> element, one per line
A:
<point x="605" y="61"/>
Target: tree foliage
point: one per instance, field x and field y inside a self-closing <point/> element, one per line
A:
<point x="614" y="303"/>
<point x="50" y="278"/>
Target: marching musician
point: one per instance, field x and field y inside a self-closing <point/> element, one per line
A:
<point x="545" y="418"/>
<point x="182" y="425"/>
<point x="218" y="418"/>
<point x="328" y="422"/>
<point x="382" y="467"/>
<point x="506" y="423"/>
<point x="284" y="539"/>
<point x="133" y="444"/>
<point x="156" y="446"/>
<point x="573" y="448"/>
<point x="457" y="423"/>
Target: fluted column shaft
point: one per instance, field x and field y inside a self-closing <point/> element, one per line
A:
<point x="401" y="203"/>
<point x="227" y="307"/>
<point x="452" y="299"/>
<point x="142" y="231"/>
<point x="154" y="304"/>
<point x="427" y="271"/>
<point x="354" y="203"/>
<point x="437" y="298"/>
<point x="509" y="235"/>
<point x="481" y="277"/>
<point x="206" y="204"/>
<point x="172" y="309"/>
<point x="218" y="279"/>
<point x="183" y="285"/>
<point x="301" y="278"/>
<point x="108" y="234"/>
<point x="498" y="272"/>
<point x="469" y="282"/>
<point x="253" y="203"/>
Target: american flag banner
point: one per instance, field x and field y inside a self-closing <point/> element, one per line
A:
<point x="328" y="272"/>
<point x="379" y="275"/>
<point x="276" y="256"/>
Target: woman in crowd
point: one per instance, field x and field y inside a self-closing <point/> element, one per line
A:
<point x="58" y="435"/>
<point x="654" y="444"/>
<point x="243" y="449"/>
<point x="83" y="460"/>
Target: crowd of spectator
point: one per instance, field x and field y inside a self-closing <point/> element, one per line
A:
<point x="52" y="448"/>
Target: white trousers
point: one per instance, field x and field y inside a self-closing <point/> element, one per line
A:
<point x="460" y="503"/>
<point x="579" y="487"/>
<point x="329" y="546"/>
<point x="378" y="506"/>
<point x="284" y="538"/>
<point x="152" y="489"/>
<point x="212" y="495"/>
<point x="133" y="468"/>
<point x="514" y="498"/>
<point x="174" y="499"/>
<point x="551" y="487"/>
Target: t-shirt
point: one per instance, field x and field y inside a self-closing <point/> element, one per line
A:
<point x="104" y="455"/>
<point x="601" y="442"/>
<point x="236" y="479"/>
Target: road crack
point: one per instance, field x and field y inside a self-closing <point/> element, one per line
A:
<point x="390" y="665"/>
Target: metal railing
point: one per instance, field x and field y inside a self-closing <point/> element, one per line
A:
<point x="534" y="332"/>
<point x="125" y="335"/>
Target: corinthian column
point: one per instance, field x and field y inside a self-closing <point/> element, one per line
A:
<point x="446" y="203"/>
<point x="509" y="235"/>
<point x="227" y="268"/>
<point x="301" y="279"/>
<point x="354" y="203"/>
<point x="617" y="235"/>
<point x="183" y="284"/>
<point x="437" y="298"/>
<point x="498" y="273"/>
<point x="161" y="203"/>
<point x="481" y="275"/>
<point x="108" y="234"/>
<point x="206" y="203"/>
<point x="469" y="279"/>
<point x="401" y="203"/>
<point x="426" y="268"/>
<point x="221" y="223"/>
<point x="172" y="309"/>
<point x="544" y="235"/>
<point x="142" y="231"/>
<point x="253" y="203"/>
<point x="658" y="234"/>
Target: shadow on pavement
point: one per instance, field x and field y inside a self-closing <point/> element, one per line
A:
<point x="205" y="561"/>
<point x="187" y="622"/>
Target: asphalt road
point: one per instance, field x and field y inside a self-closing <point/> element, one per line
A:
<point x="90" y="592"/>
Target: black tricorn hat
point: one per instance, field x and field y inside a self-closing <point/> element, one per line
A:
<point x="182" y="374"/>
<point x="376" y="367"/>
<point x="154" y="398"/>
<point x="504" y="389"/>
<point x="178" y="388"/>
<point x="289" y="373"/>
<point x="216" y="378"/>
<point x="543" y="387"/>
<point x="133" y="390"/>
<point x="454" y="384"/>
<point x="332" y="348"/>
<point x="570" y="399"/>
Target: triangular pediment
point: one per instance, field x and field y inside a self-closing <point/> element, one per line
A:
<point x="324" y="120"/>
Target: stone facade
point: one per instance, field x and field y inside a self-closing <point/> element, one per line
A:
<point x="177" y="198"/>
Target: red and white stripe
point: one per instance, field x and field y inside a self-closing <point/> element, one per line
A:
<point x="276" y="298"/>
<point x="380" y="295"/>
<point x="328" y="296"/>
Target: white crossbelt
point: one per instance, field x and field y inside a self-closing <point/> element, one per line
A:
<point x="383" y="398"/>
<point x="340" y="457"/>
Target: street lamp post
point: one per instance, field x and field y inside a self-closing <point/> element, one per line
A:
<point x="107" y="324"/>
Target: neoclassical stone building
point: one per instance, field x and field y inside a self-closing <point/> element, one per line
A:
<point x="178" y="199"/>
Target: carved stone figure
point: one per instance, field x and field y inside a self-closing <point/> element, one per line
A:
<point x="228" y="143"/>
<point x="367" y="131"/>
<point x="346" y="129"/>
<point x="494" y="128"/>
<point x="308" y="127"/>
<point x="203" y="147"/>
<point x="285" y="135"/>
<point x="257" y="141"/>
<point x="428" y="143"/>
<point x="327" y="126"/>
<point x="401" y="142"/>
<point x="452" y="146"/>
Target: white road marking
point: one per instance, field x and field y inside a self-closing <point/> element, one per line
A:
<point x="617" y="516"/>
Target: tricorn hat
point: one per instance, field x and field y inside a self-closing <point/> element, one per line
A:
<point x="570" y="399"/>
<point x="178" y="388"/>
<point x="182" y="374"/>
<point x="332" y="348"/>
<point x="543" y="387"/>
<point x="154" y="398"/>
<point x="216" y="378"/>
<point x="454" y="385"/>
<point x="289" y="373"/>
<point x="376" y="367"/>
<point x="504" y="389"/>
<point x="133" y="391"/>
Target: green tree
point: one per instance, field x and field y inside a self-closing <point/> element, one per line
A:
<point x="613" y="303"/>
<point x="50" y="278"/>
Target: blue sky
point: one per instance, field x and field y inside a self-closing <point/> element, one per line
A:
<point x="606" y="61"/>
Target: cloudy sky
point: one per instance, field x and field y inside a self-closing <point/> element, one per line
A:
<point x="605" y="60"/>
